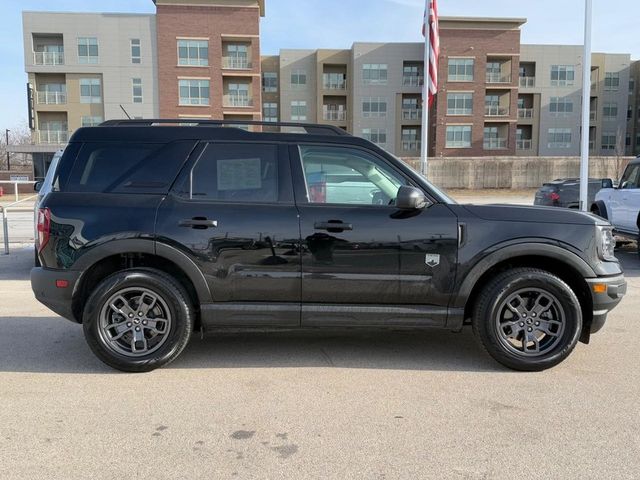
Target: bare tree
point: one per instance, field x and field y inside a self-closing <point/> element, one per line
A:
<point x="620" y="161"/>
<point x="18" y="135"/>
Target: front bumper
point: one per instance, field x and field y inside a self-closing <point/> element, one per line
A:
<point x="43" y="284"/>
<point x="606" y="300"/>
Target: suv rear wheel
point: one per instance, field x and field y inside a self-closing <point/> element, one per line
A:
<point x="138" y="320"/>
<point x="528" y="319"/>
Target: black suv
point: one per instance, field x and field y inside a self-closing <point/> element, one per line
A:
<point x="157" y="229"/>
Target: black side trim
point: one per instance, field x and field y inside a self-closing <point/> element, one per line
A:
<point x="322" y="315"/>
<point x="250" y="315"/>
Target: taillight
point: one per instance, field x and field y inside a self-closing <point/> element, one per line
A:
<point x="554" y="196"/>
<point x="44" y="227"/>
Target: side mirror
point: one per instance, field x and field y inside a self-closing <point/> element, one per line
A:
<point x="625" y="185"/>
<point x="411" y="198"/>
<point x="38" y="186"/>
<point x="607" y="183"/>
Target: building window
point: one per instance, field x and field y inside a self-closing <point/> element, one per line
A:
<point x="374" y="73"/>
<point x="608" y="142"/>
<point x="411" y="139"/>
<point x="492" y="139"/>
<point x="559" y="138"/>
<point x="90" y="90"/>
<point x="562" y="75"/>
<point x="90" y="121"/>
<point x="237" y="56"/>
<point x="612" y="81"/>
<point x="629" y="112"/>
<point x="627" y="140"/>
<point x="270" y="112"/>
<point x="270" y="82"/>
<point x="298" y="78"/>
<point x="374" y="107"/>
<point x="375" y="135"/>
<point x="459" y="104"/>
<point x="610" y="111"/>
<point x="632" y="86"/>
<point x="193" y="53"/>
<point x="87" y="50"/>
<point x="560" y="106"/>
<point x="299" y="110"/>
<point x="136" y="90"/>
<point x="461" y="69"/>
<point x="135" y="50"/>
<point x="194" y="92"/>
<point x="637" y="141"/>
<point x="412" y="75"/>
<point x="458" y="136"/>
<point x="238" y="95"/>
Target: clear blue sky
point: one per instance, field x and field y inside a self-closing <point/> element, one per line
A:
<point x="338" y="23"/>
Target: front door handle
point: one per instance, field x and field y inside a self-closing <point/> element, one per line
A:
<point x="200" y="223"/>
<point x="333" y="226"/>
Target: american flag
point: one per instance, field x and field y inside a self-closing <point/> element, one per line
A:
<point x="434" y="47"/>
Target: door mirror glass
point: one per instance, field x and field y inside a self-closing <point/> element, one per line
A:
<point x="607" y="183"/>
<point x="38" y="186"/>
<point x="411" y="198"/>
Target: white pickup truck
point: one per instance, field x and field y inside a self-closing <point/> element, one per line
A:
<point x="621" y="205"/>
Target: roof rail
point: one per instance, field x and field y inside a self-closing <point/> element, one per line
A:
<point x="309" y="128"/>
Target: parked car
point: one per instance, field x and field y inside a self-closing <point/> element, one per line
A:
<point x="43" y="187"/>
<point x="155" y="230"/>
<point x="621" y="205"/>
<point x="565" y="192"/>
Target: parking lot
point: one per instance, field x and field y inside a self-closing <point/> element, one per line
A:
<point x="428" y="405"/>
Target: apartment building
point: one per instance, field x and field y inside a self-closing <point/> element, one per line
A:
<point x="632" y="137"/>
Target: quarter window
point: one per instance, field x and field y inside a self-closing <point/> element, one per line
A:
<point x="87" y="50"/>
<point x="193" y="52"/>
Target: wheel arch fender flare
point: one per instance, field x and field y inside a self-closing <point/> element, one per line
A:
<point x="602" y="207"/>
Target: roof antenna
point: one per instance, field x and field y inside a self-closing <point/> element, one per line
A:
<point x="125" y="112"/>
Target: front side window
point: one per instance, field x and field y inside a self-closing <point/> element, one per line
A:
<point x="236" y="173"/>
<point x="90" y="91"/>
<point x="269" y="82"/>
<point x="194" y="92"/>
<point x="374" y="73"/>
<point x="631" y="177"/>
<point x="374" y="107"/>
<point x="136" y="90"/>
<point x="458" y="136"/>
<point x="459" y="104"/>
<point x="193" y="53"/>
<point x="461" y="69"/>
<point x="87" y="50"/>
<point x="299" y="110"/>
<point x="562" y="75"/>
<point x="135" y="50"/>
<point x="339" y="175"/>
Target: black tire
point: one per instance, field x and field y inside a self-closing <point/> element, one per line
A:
<point x="172" y="297"/>
<point x="491" y="303"/>
<point x="599" y="209"/>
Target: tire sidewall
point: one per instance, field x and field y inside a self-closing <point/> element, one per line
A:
<point x="570" y="305"/>
<point x="179" y="309"/>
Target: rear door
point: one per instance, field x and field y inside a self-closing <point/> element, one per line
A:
<point x="630" y="198"/>
<point x="232" y="212"/>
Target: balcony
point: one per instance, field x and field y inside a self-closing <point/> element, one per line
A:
<point x="411" y="145"/>
<point x="497" y="77"/>
<point x="495" y="143"/>
<point x="524" y="144"/>
<point x="412" y="80"/>
<point x="333" y="82"/>
<point x="237" y="101"/>
<point x="51" y="98"/>
<point x="496" y="111"/>
<point x="525" y="113"/>
<point x="412" y="114"/>
<point x="48" y="58"/>
<point x="527" y="82"/>
<point x="334" y="115"/>
<point x="52" y="136"/>
<point x="236" y="63"/>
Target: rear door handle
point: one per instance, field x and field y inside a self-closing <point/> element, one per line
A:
<point x="200" y="223"/>
<point x="333" y="226"/>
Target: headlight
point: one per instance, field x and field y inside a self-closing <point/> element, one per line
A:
<point x="606" y="244"/>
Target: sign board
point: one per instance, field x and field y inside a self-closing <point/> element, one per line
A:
<point x="18" y="178"/>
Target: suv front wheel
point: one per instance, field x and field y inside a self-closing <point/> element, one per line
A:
<point x="138" y="320"/>
<point x="527" y="319"/>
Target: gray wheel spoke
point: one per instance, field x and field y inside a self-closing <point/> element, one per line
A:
<point x="547" y="327"/>
<point x="156" y="325"/>
<point x="538" y="308"/>
<point x="120" y="328"/>
<point x="515" y="328"/>
<point x="520" y="310"/>
<point x="529" y="337"/>
<point x="138" y="342"/>
<point x="144" y="307"/>
<point x="125" y="309"/>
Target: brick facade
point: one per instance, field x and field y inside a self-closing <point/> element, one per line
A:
<point x="218" y="25"/>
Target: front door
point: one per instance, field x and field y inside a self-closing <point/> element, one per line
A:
<point x="629" y="198"/>
<point x="365" y="262"/>
<point x="232" y="212"/>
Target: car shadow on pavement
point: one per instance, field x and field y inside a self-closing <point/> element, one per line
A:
<point x="18" y="264"/>
<point x="54" y="345"/>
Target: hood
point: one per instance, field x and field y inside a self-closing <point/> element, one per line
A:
<point x="519" y="213"/>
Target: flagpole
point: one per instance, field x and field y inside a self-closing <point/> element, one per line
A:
<point x="424" y="149"/>
<point x="586" y="107"/>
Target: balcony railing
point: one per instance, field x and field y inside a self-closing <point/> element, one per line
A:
<point x="237" y="101"/>
<point x="527" y="82"/>
<point x="48" y="58"/>
<point x="412" y="80"/>
<point x="495" y="143"/>
<point x="333" y="84"/>
<point x="411" y="145"/>
<point x="52" y="136"/>
<point x="525" y="113"/>
<point x="236" y="63"/>
<point x="494" y="77"/>
<point x="52" y="98"/>
<point x="334" y="115"/>
<point x="411" y="113"/>
<point x="524" y="144"/>
<point x="496" y="111"/>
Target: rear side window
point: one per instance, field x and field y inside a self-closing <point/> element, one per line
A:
<point x="239" y="173"/>
<point x="127" y="167"/>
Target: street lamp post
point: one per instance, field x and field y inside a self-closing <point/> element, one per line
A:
<point x="6" y="133"/>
